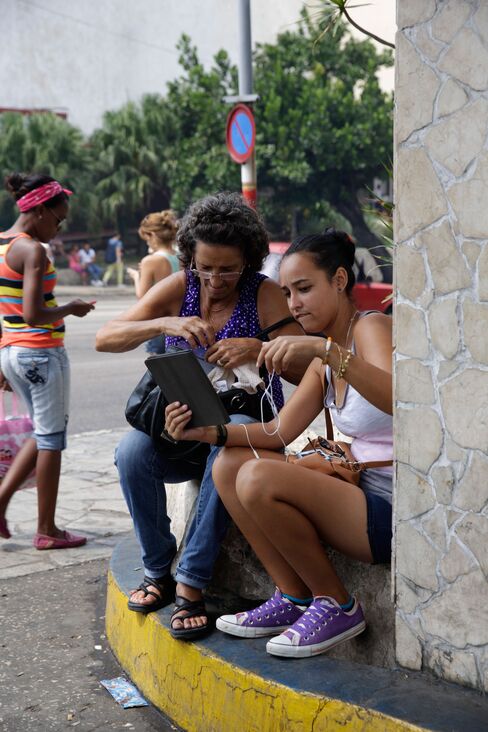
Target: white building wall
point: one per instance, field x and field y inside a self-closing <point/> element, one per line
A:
<point x="94" y="55"/>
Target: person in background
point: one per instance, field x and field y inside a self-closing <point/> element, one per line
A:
<point x="88" y="257"/>
<point x="33" y="360"/>
<point x="74" y="263"/>
<point x="114" y="255"/>
<point x="159" y="231"/>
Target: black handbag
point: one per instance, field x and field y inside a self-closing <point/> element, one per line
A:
<point x="145" y="412"/>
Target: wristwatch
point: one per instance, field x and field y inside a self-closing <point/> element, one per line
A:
<point x="221" y="435"/>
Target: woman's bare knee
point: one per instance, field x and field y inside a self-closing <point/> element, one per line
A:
<point x="254" y="483"/>
<point x="226" y="468"/>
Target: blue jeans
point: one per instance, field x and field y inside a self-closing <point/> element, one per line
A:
<point x="143" y="472"/>
<point x="41" y="376"/>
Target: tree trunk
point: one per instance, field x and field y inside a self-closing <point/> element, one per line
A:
<point x="351" y="210"/>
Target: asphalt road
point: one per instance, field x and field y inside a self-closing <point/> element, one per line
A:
<point x="100" y="382"/>
<point x="55" y="653"/>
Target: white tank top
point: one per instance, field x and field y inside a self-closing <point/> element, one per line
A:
<point x="370" y="428"/>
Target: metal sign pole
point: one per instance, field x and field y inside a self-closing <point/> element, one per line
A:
<point x="248" y="169"/>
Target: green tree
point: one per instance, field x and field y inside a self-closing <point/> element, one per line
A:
<point x="129" y="162"/>
<point x="46" y="143"/>
<point x="324" y="124"/>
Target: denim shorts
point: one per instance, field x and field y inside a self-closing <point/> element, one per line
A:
<point x="41" y="377"/>
<point x="379" y="528"/>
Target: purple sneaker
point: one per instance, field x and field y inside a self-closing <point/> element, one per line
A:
<point x="323" y="625"/>
<point x="270" y="618"/>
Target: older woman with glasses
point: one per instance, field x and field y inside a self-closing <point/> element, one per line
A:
<point x="216" y="306"/>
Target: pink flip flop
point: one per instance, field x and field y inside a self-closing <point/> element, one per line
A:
<point x="4" y="532"/>
<point x="68" y="541"/>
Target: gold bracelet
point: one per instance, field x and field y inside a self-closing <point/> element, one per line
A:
<point x="328" y="345"/>
<point x="343" y="365"/>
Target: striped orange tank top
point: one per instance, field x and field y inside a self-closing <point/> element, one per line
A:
<point x="15" y="331"/>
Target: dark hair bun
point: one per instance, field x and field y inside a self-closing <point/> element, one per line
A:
<point x="14" y="184"/>
<point x="343" y="238"/>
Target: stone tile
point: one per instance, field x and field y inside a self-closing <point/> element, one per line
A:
<point x="443" y="479"/>
<point x="451" y="98"/>
<point x="422" y="437"/>
<point x="449" y="20"/>
<point x="409" y="596"/>
<point x="455" y="562"/>
<point x="410" y="272"/>
<point x="446" y="369"/>
<point x="441" y="618"/>
<point x="464" y="405"/>
<point x="483" y="274"/>
<point x="416" y="558"/>
<point x="414" y="12"/>
<point x="427" y="45"/>
<point x="408" y="648"/>
<point x="472" y="492"/>
<point x="465" y="197"/>
<point x="475" y="330"/>
<point x="480" y="20"/>
<point x="454" y="452"/>
<point x="456" y="141"/>
<point x="467" y="60"/>
<point x="419" y="195"/>
<point x="435" y="527"/>
<point x="413" y="382"/>
<point x="415" y="90"/>
<point x="410" y="332"/>
<point x="413" y="494"/>
<point x="447" y="265"/>
<point x="453" y="665"/>
<point x="471" y="251"/>
<point x="473" y="532"/>
<point x="444" y="327"/>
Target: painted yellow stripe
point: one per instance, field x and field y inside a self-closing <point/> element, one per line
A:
<point x="201" y="691"/>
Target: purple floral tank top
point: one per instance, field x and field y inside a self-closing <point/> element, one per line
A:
<point x="243" y="323"/>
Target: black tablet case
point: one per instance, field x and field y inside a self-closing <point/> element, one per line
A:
<point x="181" y="379"/>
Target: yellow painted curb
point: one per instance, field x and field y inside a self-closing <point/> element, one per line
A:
<point x="202" y="692"/>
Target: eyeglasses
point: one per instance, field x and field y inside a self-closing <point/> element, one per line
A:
<point x="60" y="222"/>
<point x="224" y="276"/>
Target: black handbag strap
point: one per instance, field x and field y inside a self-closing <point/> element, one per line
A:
<point x="284" y="321"/>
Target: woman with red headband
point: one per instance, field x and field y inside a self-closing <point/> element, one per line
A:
<point x="33" y="360"/>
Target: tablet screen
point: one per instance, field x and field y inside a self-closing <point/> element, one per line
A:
<point x="181" y="379"/>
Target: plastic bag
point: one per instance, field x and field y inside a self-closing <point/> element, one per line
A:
<point x="15" y="429"/>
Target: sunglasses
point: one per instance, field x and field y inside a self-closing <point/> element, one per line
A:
<point x="60" y="222"/>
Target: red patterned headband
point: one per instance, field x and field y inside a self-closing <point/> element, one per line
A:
<point x="41" y="195"/>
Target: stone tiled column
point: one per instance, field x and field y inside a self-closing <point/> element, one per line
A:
<point x="441" y="338"/>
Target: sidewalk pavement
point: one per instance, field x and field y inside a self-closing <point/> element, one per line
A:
<point x="90" y="503"/>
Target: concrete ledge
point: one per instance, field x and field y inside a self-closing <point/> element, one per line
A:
<point x="222" y="684"/>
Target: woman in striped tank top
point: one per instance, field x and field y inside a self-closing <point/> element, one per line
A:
<point x="33" y="360"/>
